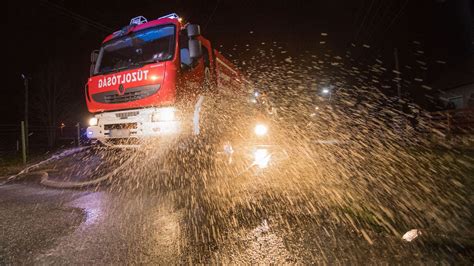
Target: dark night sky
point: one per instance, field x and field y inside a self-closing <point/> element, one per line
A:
<point x="49" y="29"/>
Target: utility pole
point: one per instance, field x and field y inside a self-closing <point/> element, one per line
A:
<point x="399" y="90"/>
<point x="25" y="83"/>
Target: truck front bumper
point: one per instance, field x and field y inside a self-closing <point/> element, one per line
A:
<point x="138" y="123"/>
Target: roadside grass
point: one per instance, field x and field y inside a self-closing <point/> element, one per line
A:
<point x="12" y="163"/>
<point x="461" y="184"/>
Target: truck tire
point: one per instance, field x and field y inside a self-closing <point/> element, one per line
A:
<point x="205" y="133"/>
<point x="193" y="163"/>
<point x="207" y="83"/>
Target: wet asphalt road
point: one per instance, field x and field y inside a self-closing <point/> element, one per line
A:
<point x="42" y="225"/>
<point x="245" y="220"/>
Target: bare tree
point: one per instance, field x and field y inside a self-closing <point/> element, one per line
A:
<point x="51" y="95"/>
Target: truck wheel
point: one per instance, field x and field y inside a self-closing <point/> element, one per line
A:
<point x="205" y="135"/>
<point x="207" y="84"/>
<point x="191" y="163"/>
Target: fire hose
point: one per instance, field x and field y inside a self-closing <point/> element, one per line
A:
<point x="46" y="181"/>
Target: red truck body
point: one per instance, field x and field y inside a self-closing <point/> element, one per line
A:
<point x="154" y="84"/>
<point x="167" y="74"/>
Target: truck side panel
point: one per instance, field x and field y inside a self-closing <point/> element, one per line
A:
<point x="227" y="74"/>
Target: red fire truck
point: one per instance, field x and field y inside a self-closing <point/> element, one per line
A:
<point x="150" y="77"/>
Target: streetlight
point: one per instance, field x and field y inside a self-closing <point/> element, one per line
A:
<point x="328" y="91"/>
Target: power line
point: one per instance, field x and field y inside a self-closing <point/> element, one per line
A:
<point x="374" y="21"/>
<point x="359" y="14"/>
<point x="402" y="9"/>
<point x="372" y="26"/>
<point x="375" y="51"/>
<point x="363" y="20"/>
<point x="97" y="25"/>
<point x="80" y="17"/>
<point x="212" y="14"/>
<point x="396" y="17"/>
<point x="380" y="21"/>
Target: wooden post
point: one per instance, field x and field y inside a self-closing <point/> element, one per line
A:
<point x="23" y="141"/>
<point x="26" y="115"/>
<point x="78" y="134"/>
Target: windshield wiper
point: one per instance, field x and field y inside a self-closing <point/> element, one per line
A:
<point x="133" y="65"/>
<point x="113" y="70"/>
<point x="150" y="61"/>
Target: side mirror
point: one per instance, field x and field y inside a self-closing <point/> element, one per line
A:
<point x="193" y="30"/>
<point x="195" y="50"/>
<point x="94" y="56"/>
<point x="186" y="60"/>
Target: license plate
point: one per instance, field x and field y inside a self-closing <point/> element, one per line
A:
<point x="120" y="133"/>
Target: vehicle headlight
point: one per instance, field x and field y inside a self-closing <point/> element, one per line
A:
<point x="261" y="130"/>
<point x="261" y="158"/>
<point x="93" y="121"/>
<point x="164" y="114"/>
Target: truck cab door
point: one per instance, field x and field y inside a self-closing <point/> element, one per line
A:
<point x="191" y="69"/>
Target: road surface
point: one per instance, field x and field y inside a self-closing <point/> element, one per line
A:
<point x="246" y="219"/>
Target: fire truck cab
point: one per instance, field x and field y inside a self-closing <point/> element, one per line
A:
<point x="149" y="80"/>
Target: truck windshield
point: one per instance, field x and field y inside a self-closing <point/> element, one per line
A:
<point x="146" y="46"/>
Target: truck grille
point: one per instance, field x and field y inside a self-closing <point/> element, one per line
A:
<point x="121" y="126"/>
<point x="130" y="94"/>
<point x="126" y="115"/>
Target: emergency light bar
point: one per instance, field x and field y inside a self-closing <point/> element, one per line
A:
<point x="138" y="20"/>
<point x="171" y="16"/>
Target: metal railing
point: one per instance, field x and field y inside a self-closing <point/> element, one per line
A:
<point x="14" y="139"/>
<point x="452" y="122"/>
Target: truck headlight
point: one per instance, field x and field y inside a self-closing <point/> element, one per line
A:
<point x="93" y="121"/>
<point x="261" y="130"/>
<point x="261" y="158"/>
<point x="164" y="114"/>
